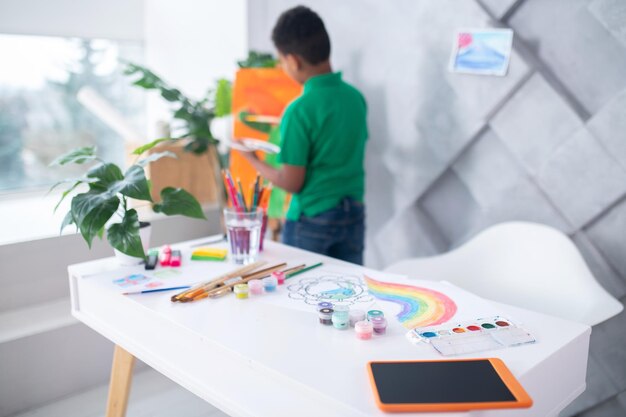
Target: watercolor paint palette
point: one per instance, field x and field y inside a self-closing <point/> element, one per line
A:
<point x="474" y="336"/>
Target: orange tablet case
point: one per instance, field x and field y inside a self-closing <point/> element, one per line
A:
<point x="523" y="400"/>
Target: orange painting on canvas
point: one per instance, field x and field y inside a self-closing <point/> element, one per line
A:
<point x="261" y="91"/>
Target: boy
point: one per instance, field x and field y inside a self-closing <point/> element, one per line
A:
<point x="322" y="147"/>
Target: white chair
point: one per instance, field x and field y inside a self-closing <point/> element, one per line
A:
<point x="524" y="264"/>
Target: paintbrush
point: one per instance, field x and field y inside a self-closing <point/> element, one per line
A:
<point x="255" y="275"/>
<point x="207" y="285"/>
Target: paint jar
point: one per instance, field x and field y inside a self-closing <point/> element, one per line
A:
<point x="324" y="304"/>
<point x="356" y="316"/>
<point x="363" y="330"/>
<point x="341" y="308"/>
<point x="380" y="324"/>
<point x="280" y="277"/>
<point x="270" y="283"/>
<point x="326" y="316"/>
<point x="341" y="320"/>
<point x="374" y="313"/>
<point x="241" y="291"/>
<point x="255" y="286"/>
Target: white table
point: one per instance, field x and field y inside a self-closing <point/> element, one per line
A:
<point x="252" y="358"/>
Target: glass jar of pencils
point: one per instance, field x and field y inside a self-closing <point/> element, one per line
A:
<point x="243" y="229"/>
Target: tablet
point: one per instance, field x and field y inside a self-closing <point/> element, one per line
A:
<point x="445" y="385"/>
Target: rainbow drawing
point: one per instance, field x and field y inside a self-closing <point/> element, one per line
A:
<point x="420" y="306"/>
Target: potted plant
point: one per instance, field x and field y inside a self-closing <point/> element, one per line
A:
<point x="105" y="195"/>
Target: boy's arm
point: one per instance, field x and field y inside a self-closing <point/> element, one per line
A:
<point x="289" y="177"/>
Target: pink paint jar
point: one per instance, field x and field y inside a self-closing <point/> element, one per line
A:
<point x="255" y="287"/>
<point x="280" y="277"/>
<point x="379" y="324"/>
<point x="363" y="329"/>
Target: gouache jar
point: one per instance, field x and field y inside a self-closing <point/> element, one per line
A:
<point x="255" y="286"/>
<point x="326" y="316"/>
<point x="356" y="316"/>
<point x="363" y="330"/>
<point x="324" y="304"/>
<point x="340" y="320"/>
<point x="280" y="277"/>
<point x="342" y="308"/>
<point x="270" y="283"/>
<point x="380" y="324"/>
<point x="374" y="313"/>
<point x="241" y="291"/>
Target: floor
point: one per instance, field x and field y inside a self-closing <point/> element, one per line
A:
<point x="152" y="395"/>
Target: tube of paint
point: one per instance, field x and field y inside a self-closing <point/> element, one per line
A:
<point x="340" y="320"/>
<point x="326" y="316"/>
<point x="255" y="286"/>
<point x="380" y="324"/>
<point x="363" y="330"/>
<point x="241" y="291"/>
<point x="356" y="316"/>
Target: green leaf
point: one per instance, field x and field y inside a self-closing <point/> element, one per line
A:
<point x="179" y="201"/>
<point x="198" y="145"/>
<point x="134" y="184"/>
<point x="67" y="220"/>
<point x="125" y="237"/>
<point x="149" y="146"/>
<point x="171" y="94"/>
<point x="223" y="98"/>
<point x="258" y="60"/>
<point x="65" y="194"/>
<point x="105" y="175"/>
<point x="183" y="113"/>
<point x="155" y="157"/>
<point x="76" y="156"/>
<point x="92" y="210"/>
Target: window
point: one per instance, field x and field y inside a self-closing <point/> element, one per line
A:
<point x="40" y="115"/>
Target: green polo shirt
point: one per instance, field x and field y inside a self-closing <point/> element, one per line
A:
<point x="324" y="130"/>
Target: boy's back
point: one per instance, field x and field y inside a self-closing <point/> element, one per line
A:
<point x="325" y="130"/>
<point x="323" y="144"/>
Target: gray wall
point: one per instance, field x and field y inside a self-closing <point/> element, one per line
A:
<point x="452" y="154"/>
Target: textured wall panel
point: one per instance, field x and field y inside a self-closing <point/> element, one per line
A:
<point x="408" y="233"/>
<point x="498" y="8"/>
<point x="608" y="234"/>
<point x="607" y="344"/>
<point x="534" y="122"/>
<point x="605" y="273"/>
<point x="611" y="408"/>
<point x="609" y="126"/>
<point x="581" y="178"/>
<point x="612" y="15"/>
<point x="586" y="58"/>
<point x="501" y="187"/>
<point x="451" y="207"/>
<point x="599" y="388"/>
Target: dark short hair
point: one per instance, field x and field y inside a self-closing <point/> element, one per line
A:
<point x="300" y="31"/>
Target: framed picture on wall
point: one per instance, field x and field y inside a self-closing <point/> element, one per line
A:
<point x="481" y="51"/>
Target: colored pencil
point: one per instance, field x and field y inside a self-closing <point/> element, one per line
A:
<point x="156" y="290"/>
<point x="303" y="270"/>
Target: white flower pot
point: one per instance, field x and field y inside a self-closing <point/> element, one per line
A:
<point x="145" y="230"/>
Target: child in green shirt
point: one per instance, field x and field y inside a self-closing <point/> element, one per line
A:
<point x="323" y="134"/>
